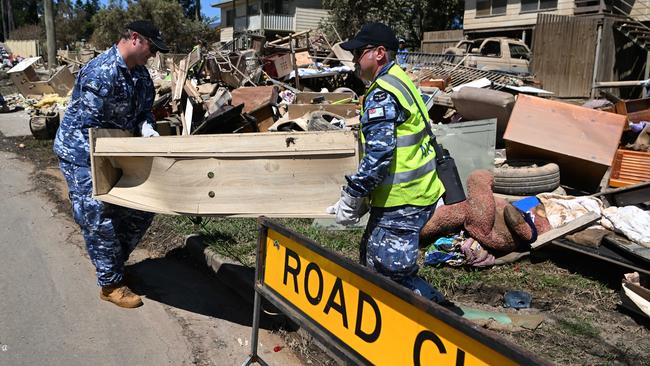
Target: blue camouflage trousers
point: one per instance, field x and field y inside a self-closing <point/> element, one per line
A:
<point x="111" y="232"/>
<point x="390" y="246"/>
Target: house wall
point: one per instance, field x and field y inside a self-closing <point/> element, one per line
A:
<point x="513" y="16"/>
<point x="226" y="34"/>
<point x="306" y="15"/>
<point x="310" y="4"/>
<point x="306" y="19"/>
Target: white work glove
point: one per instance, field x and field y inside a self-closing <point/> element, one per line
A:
<point x="146" y="130"/>
<point x="348" y="209"/>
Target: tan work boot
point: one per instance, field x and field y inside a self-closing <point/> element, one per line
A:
<point x="120" y="295"/>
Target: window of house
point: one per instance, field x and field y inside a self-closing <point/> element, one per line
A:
<point x="230" y="17"/>
<point x="491" y="7"/>
<point x="275" y="7"/>
<point x="537" y="5"/>
<point x="253" y="9"/>
<point x="491" y="48"/>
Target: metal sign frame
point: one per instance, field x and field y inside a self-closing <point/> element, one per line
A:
<point x="504" y="348"/>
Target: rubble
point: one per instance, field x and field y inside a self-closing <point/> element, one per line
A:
<point x="305" y="82"/>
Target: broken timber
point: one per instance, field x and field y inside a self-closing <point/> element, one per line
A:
<point x="566" y="229"/>
<point x="297" y="174"/>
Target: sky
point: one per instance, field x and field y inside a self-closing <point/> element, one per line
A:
<point x="205" y="7"/>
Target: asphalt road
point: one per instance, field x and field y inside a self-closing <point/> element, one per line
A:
<point x="50" y="313"/>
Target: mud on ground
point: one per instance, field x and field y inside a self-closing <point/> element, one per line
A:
<point x="584" y="324"/>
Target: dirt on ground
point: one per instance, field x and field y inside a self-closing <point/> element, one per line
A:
<point x="583" y="322"/>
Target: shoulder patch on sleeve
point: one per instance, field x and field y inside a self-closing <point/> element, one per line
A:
<point x="376" y="113"/>
<point x="96" y="86"/>
<point x="380" y="96"/>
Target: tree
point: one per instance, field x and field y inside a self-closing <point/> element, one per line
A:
<point x="191" y="8"/>
<point x="408" y="18"/>
<point x="51" y="34"/>
<point x="180" y="33"/>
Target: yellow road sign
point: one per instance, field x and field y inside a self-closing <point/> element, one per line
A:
<point x="373" y="319"/>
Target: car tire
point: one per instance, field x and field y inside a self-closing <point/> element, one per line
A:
<point x="526" y="177"/>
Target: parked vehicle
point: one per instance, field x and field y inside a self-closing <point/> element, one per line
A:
<point x="494" y="54"/>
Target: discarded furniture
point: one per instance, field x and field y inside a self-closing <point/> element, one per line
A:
<point x="475" y="104"/>
<point x="629" y="195"/>
<point x="323" y="98"/>
<point x="581" y="141"/>
<point x="635" y="109"/>
<point x="630" y="167"/>
<point x="278" y="66"/>
<point x="258" y="102"/>
<point x="634" y="296"/>
<point x="295" y="174"/>
<point x="228" y="119"/>
<point x="28" y="83"/>
<point x="343" y="110"/>
<point x="603" y="253"/>
<point x="627" y="248"/>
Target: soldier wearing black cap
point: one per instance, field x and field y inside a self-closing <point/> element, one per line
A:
<point x="397" y="175"/>
<point x="114" y="90"/>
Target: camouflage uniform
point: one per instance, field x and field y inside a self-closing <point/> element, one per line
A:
<point x="106" y="95"/>
<point x="390" y="243"/>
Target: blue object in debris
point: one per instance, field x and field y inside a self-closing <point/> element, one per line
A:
<point x="517" y="299"/>
<point x="526" y="204"/>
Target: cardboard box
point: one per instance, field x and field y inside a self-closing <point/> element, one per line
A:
<point x="278" y="66"/>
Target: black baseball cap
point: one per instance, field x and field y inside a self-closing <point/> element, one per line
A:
<point x="148" y="30"/>
<point x="376" y="34"/>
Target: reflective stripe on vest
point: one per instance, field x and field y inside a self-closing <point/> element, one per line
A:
<point x="412" y="177"/>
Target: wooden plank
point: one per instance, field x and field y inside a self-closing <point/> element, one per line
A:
<point x="343" y="110"/>
<point x="231" y="145"/>
<point x="566" y="229"/>
<point x="293" y="175"/>
<point x="103" y="174"/>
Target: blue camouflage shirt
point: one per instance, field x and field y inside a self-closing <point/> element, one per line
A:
<point x="107" y="95"/>
<point x="382" y="114"/>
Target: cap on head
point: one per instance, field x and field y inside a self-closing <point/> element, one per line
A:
<point x="147" y="29"/>
<point x="401" y="40"/>
<point x="376" y="34"/>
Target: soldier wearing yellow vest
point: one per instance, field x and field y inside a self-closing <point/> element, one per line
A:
<point x="397" y="174"/>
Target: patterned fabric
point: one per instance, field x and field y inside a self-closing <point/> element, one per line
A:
<point x="107" y="95"/>
<point x="390" y="246"/>
<point x="391" y="241"/>
<point x="111" y="232"/>
<point x="382" y="114"/>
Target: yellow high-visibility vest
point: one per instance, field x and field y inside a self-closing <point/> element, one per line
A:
<point x="412" y="177"/>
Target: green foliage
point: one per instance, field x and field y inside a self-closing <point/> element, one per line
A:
<point x="180" y="33"/>
<point x="237" y="238"/>
<point x="579" y="327"/>
<point x="26" y="11"/>
<point x="409" y="19"/>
